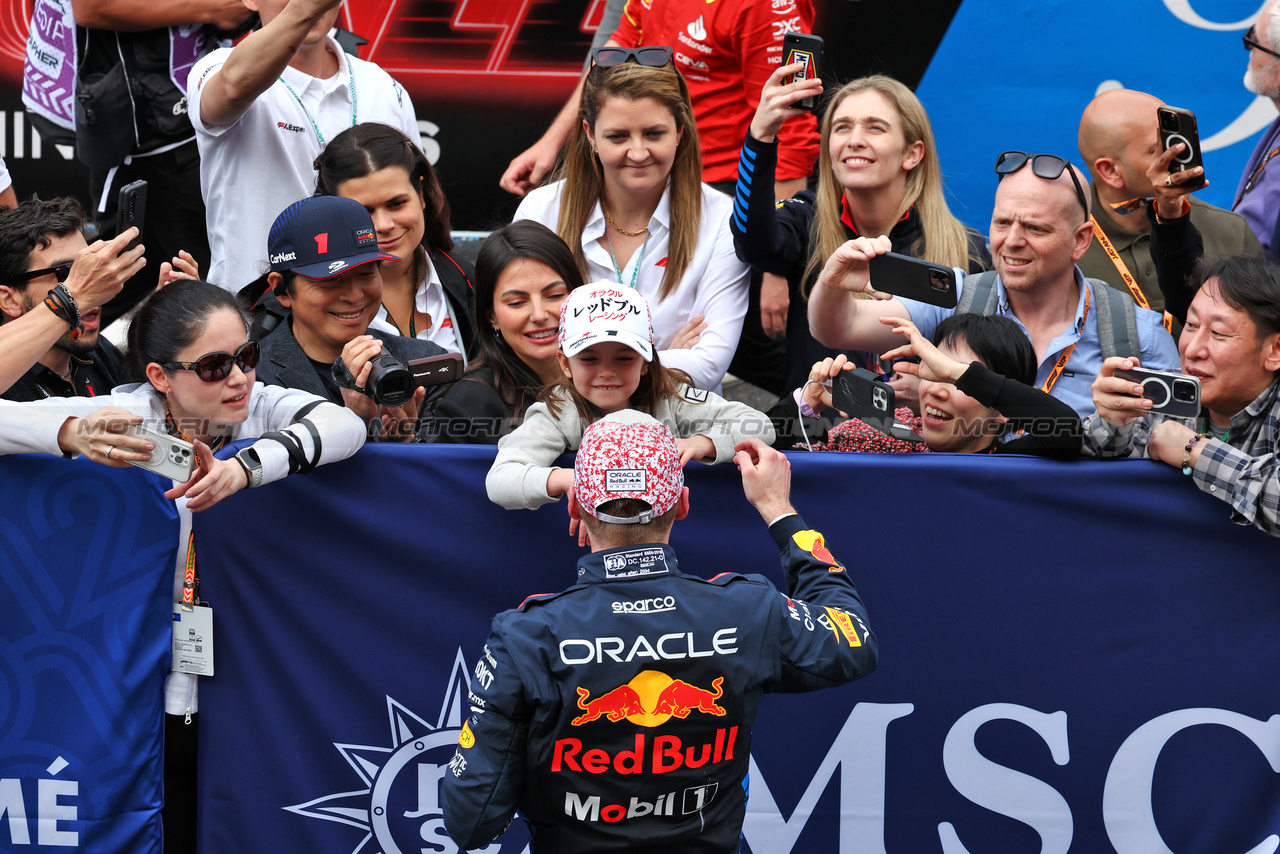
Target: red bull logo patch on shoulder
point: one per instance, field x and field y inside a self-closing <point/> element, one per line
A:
<point x="812" y="542"/>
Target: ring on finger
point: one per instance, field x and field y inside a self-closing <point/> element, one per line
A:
<point x="110" y="448"/>
<point x="1168" y="182"/>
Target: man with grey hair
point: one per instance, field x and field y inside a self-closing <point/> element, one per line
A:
<point x="1258" y="196"/>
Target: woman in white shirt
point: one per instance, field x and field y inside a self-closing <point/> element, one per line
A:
<point x="632" y="206"/>
<point x="192" y="343"/>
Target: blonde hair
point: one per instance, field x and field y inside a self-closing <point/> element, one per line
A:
<point x="944" y="238"/>
<point x="584" y="176"/>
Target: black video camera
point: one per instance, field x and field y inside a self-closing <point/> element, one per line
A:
<point x="390" y="383"/>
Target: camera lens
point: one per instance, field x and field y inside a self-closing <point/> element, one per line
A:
<point x="390" y="382"/>
<point x="939" y="280"/>
<point x="1184" y="392"/>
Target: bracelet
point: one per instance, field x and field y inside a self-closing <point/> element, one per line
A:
<point x="1186" y="209"/>
<point x="1186" y="452"/>
<point x="63" y="305"/>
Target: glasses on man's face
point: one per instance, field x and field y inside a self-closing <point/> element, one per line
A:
<point x="62" y="271"/>
<point x="212" y="367"/>
<point x="653" y="57"/>
<point x="1047" y="166"/>
<point x="1250" y="40"/>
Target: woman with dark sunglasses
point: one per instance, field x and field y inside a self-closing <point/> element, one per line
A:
<point x="632" y="206"/>
<point x="191" y="342"/>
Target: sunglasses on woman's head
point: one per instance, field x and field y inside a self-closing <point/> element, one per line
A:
<point x="62" y="271"/>
<point x="1047" y="166"/>
<point x="212" y="367"/>
<point x="652" y="57"/>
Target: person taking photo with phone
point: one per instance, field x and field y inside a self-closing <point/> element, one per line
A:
<point x="1230" y="344"/>
<point x="52" y="287"/>
<point x="878" y="173"/>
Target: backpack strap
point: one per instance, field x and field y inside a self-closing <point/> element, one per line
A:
<point x="978" y="294"/>
<point x="1117" y="320"/>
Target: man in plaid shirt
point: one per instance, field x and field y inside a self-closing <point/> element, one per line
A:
<point x="1231" y="344"/>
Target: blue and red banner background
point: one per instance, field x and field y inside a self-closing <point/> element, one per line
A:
<point x="1074" y="657"/>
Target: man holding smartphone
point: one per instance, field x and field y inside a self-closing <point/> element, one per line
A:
<point x="1231" y="345"/>
<point x="1144" y="216"/>
<point x="53" y="349"/>
<point x="1040" y="228"/>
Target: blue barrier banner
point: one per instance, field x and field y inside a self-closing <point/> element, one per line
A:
<point x="1074" y="657"/>
<point x="87" y="556"/>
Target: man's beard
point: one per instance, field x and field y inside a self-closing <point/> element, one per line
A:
<point x="81" y="347"/>
<point x="1251" y="83"/>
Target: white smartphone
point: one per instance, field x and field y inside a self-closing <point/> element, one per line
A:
<point x="172" y="458"/>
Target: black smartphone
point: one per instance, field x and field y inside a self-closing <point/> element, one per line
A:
<point x="131" y="210"/>
<point x="1179" y="125"/>
<point x="923" y="281"/>
<point x="1169" y="391"/>
<point x="805" y="49"/>
<point x="436" y="370"/>
<point x="863" y="395"/>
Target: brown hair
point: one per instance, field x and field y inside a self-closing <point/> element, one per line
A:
<point x="583" y="175"/>
<point x="656" y="384"/>
<point x="944" y="238"/>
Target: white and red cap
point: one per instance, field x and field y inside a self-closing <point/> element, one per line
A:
<point x="605" y="311"/>
<point x="627" y="454"/>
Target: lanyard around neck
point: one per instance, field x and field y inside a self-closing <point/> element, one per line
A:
<point x="1061" y="364"/>
<point x="1130" y="282"/>
<point x="351" y="92"/>
<point x="617" y="269"/>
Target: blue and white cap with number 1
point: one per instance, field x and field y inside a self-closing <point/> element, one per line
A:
<point x="322" y="237"/>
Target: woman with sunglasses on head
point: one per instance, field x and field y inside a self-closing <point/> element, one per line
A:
<point x="878" y="173"/>
<point x="191" y="342"/>
<point x="524" y="272"/>
<point x="632" y="206"/>
<point x="426" y="294"/>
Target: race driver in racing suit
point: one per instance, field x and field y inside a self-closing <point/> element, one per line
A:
<point x="617" y="715"/>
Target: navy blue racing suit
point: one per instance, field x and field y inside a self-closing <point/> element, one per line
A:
<point x="617" y="715"/>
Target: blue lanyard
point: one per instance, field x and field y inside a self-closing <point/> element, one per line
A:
<point x="639" y="257"/>
<point x="351" y="92"/>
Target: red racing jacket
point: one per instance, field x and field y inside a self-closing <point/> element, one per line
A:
<point x="617" y="715"/>
<point x="726" y="50"/>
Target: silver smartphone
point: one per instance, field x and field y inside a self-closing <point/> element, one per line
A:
<point x="171" y="457"/>
<point x="1169" y="391"/>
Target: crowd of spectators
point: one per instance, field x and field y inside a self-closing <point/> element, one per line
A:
<point x="328" y="246"/>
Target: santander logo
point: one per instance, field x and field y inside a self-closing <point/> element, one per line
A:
<point x="697" y="30"/>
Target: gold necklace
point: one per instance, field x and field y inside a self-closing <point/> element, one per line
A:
<point x="622" y="231"/>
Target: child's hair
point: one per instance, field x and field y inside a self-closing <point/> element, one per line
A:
<point x="998" y="342"/>
<point x="656" y="384"/>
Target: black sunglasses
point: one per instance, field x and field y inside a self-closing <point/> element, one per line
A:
<point x="1251" y="43"/>
<point x="62" y="271"/>
<point x="212" y="367"/>
<point x="1047" y="166"/>
<point x="653" y="57"/>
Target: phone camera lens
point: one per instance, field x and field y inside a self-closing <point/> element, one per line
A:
<point x="1184" y="392"/>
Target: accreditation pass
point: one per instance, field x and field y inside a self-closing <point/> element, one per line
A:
<point x="193" y="640"/>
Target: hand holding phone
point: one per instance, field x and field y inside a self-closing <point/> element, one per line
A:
<point x="807" y="50"/>
<point x="172" y="457"/>
<point x="1169" y="391"/>
<point x="1179" y="126"/>
<point x="904" y="276"/>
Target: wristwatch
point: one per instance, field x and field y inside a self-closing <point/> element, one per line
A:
<point x="248" y="460"/>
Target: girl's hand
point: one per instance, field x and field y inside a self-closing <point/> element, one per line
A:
<point x="776" y="101"/>
<point x="212" y="481"/>
<point x="100" y="436"/>
<point x="848" y="269"/>
<point x="698" y="448"/>
<point x="577" y="528"/>
<point x="817" y="391"/>
<point x="559" y="482"/>
<point x="934" y="365"/>
<point x="690" y="333"/>
<point x="184" y="266"/>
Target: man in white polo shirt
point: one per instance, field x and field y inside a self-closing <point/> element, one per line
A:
<point x="262" y="112"/>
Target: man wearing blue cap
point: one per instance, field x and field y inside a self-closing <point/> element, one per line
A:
<point x="325" y="268"/>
